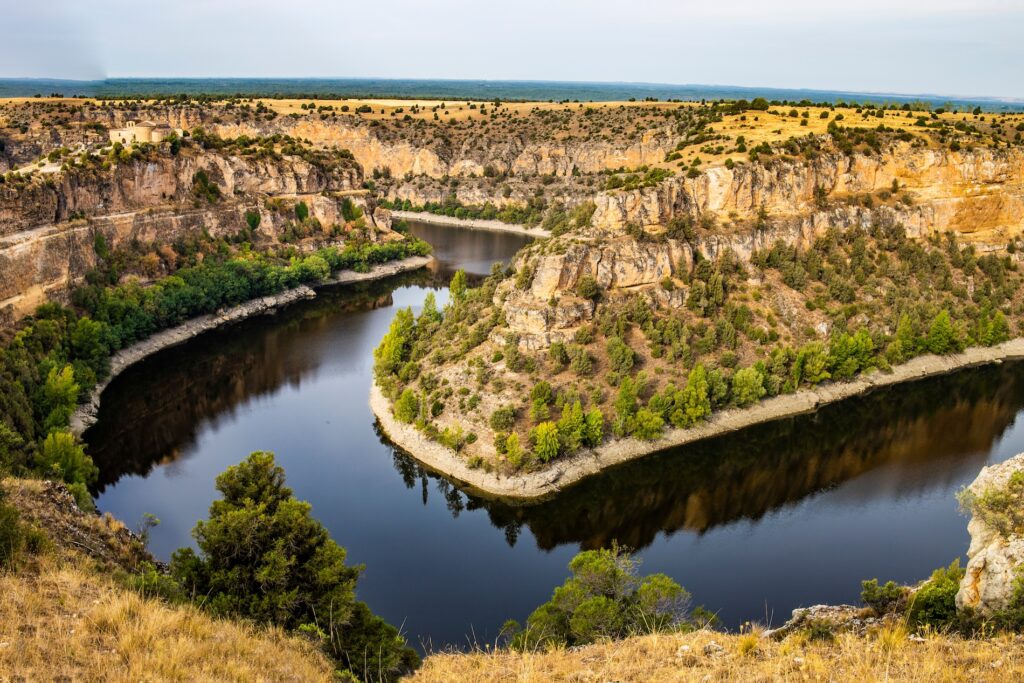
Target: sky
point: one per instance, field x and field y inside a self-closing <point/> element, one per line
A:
<point x="947" y="47"/>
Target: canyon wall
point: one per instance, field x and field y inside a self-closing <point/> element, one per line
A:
<point x="48" y="226"/>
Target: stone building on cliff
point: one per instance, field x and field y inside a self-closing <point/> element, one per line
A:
<point x="143" y="131"/>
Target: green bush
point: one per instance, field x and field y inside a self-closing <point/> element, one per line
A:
<point x="588" y="288"/>
<point x="604" y="598"/>
<point x="884" y="599"/>
<point x="1000" y="508"/>
<point x="503" y="418"/>
<point x="934" y="603"/>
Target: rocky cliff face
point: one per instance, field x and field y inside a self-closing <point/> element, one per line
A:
<point x="129" y="186"/>
<point x="440" y="157"/>
<point x="977" y="193"/>
<point x="48" y="226"/>
<point x="995" y="559"/>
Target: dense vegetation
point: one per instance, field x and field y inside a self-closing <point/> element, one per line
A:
<point x="855" y="301"/>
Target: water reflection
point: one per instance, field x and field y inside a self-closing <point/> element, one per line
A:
<point x="929" y="434"/>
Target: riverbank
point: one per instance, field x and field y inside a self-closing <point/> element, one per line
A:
<point x="86" y="414"/>
<point x="549" y="480"/>
<point x="471" y="223"/>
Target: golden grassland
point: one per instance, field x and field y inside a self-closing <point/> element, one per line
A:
<point x="64" y="617"/>
<point x="62" y="623"/>
<point x="885" y="655"/>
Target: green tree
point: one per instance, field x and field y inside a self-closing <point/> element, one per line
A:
<point x="811" y="364"/>
<point x="545" y="441"/>
<point x="593" y="432"/>
<point x="407" y="407"/>
<point x="906" y="344"/>
<point x="997" y="330"/>
<point x="571" y="427"/>
<point x="252" y="219"/>
<point x="626" y="405"/>
<point x="620" y="356"/>
<point x="747" y="386"/>
<point x="458" y="285"/>
<point x="60" y="396"/>
<point x="263" y="557"/>
<point x="301" y="211"/>
<point x="942" y="337"/>
<point x="63" y="457"/>
<point x="513" y="451"/>
<point x="429" y="315"/>
<point x="647" y="424"/>
<point x="696" y="403"/>
<point x="396" y="345"/>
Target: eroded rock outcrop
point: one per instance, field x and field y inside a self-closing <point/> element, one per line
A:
<point x="996" y="555"/>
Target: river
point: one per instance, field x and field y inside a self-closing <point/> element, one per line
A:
<point x="756" y="523"/>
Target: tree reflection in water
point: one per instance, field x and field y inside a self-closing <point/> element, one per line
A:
<point x="915" y="437"/>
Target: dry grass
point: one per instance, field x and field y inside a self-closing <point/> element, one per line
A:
<point x="888" y="655"/>
<point x="62" y="624"/>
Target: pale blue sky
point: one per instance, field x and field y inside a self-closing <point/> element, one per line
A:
<point x="950" y="47"/>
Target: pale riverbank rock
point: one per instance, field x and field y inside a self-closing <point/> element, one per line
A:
<point x="994" y="561"/>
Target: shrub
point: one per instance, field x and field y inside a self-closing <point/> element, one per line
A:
<point x="203" y="188"/>
<point x="605" y="598"/>
<point x="301" y="211"/>
<point x="12" y="538"/>
<point x="1000" y="508"/>
<point x="884" y="599"/>
<point x="503" y="419"/>
<point x="934" y="604"/>
<point x="581" y="362"/>
<point x="588" y="288"/>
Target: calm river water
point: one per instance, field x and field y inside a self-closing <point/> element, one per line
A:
<point x="753" y="524"/>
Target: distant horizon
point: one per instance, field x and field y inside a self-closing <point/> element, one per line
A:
<point x="852" y="46"/>
<point x="165" y="86"/>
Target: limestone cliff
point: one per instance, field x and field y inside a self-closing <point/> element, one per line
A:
<point x="978" y="193"/>
<point x="995" y="558"/>
<point x="49" y="225"/>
